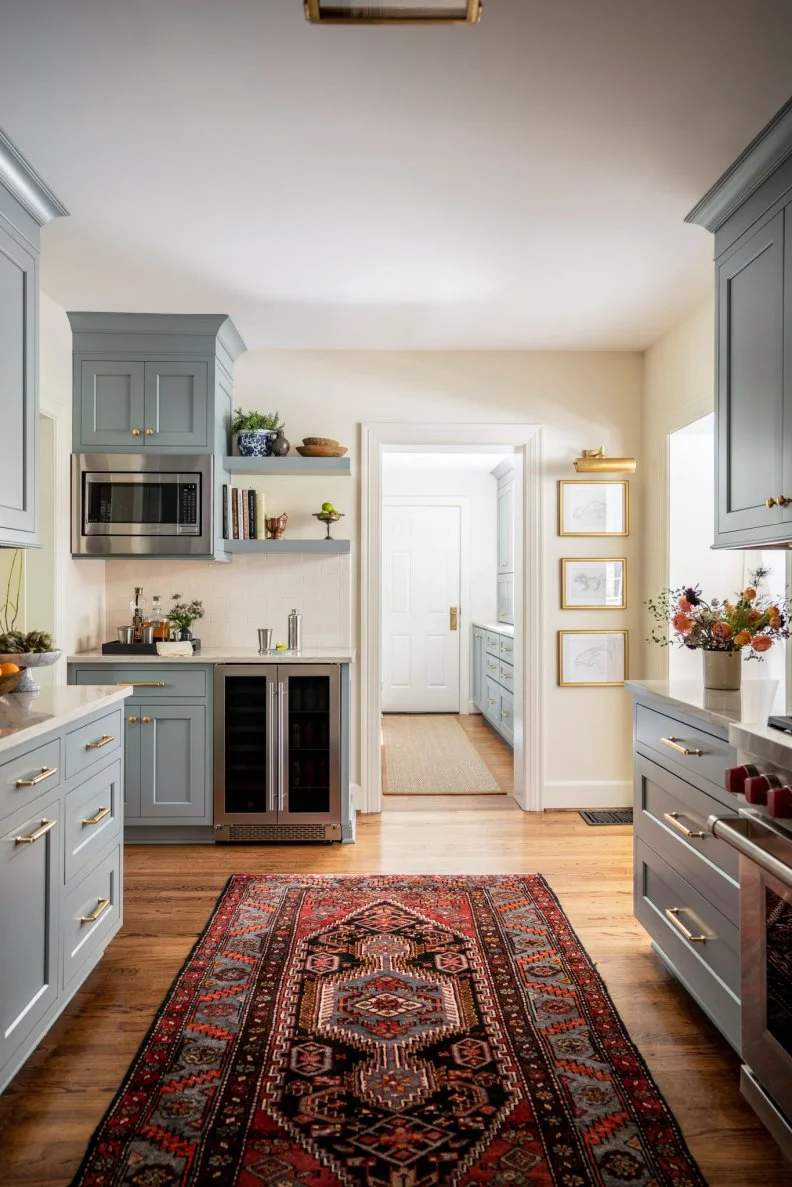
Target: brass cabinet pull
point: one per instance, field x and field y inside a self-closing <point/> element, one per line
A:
<point x="100" y="815"/>
<point x="147" y="720"/>
<point x="135" y="432"/>
<point x="147" y="684"/>
<point x="506" y="675"/>
<point x="490" y="701"/>
<point x="508" y="650"/>
<point x="778" y="501"/>
<point x="477" y="634"/>
<point x="673" y="819"/>
<point x="675" y="744"/>
<point x="105" y="740"/>
<point x="149" y="432"/>
<point x="46" y="825"/>
<point x="492" y="667"/>
<point x="101" y="906"/>
<point x="45" y="773"/>
<point x="132" y="720"/>
<point x="673" y="915"/>
<point x="505" y="713"/>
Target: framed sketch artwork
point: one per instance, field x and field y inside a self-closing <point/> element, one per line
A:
<point x="593" y="508"/>
<point x="592" y="583"/>
<point x="589" y="659"/>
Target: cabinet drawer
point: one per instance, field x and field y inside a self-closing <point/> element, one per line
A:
<point x="92" y="818"/>
<point x="24" y="778"/>
<point x="493" y="643"/>
<point x="707" y="757"/>
<point x="93" y="742"/>
<point x="491" y="666"/>
<point x="506" y="649"/>
<point x="91" y="916"/>
<point x="492" y="695"/>
<point x="152" y="680"/>
<point x="711" y="970"/>
<point x="507" y="715"/>
<point x="506" y="675"/>
<point x="675" y="806"/>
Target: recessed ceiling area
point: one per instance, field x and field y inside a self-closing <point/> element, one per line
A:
<point x="517" y="184"/>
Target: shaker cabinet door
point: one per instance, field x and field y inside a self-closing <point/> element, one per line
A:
<point x="506" y="526"/>
<point x="750" y="391"/>
<point x="18" y="398"/>
<point x="478" y="668"/>
<point x="110" y="407"/>
<point x="173" y="761"/>
<point x="177" y="406"/>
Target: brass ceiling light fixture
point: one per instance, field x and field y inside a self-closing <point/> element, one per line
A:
<point x="593" y="461"/>
<point x="393" y="12"/>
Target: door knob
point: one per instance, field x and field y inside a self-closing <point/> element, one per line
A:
<point x="453" y="614"/>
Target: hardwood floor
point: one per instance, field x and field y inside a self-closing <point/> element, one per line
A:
<point x="49" y="1111"/>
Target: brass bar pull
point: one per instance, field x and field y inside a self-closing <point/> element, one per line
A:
<point x="506" y="675"/>
<point x="778" y="501"/>
<point x="45" y="773"/>
<point x="101" y="906"/>
<point x="100" y="815"/>
<point x="505" y="713"/>
<point x="673" y="915"/>
<point x="148" y="684"/>
<point x="477" y="634"/>
<point x="105" y="740"/>
<point x="46" y="825"/>
<point x="508" y="650"/>
<point x="453" y="614"/>
<point x="675" y="744"/>
<point x="490" y="701"/>
<point x="492" y="667"/>
<point x="673" y="819"/>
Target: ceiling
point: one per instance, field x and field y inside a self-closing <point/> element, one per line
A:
<point x="521" y="184"/>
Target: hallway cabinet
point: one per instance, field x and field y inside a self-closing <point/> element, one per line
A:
<point x="505" y="577"/>
<point x="493" y="677"/>
<point x="26" y="204"/>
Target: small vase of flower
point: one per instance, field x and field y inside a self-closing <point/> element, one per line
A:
<point x="183" y="615"/>
<point x="726" y="632"/>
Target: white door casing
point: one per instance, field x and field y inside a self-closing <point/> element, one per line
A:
<point x="421" y="565"/>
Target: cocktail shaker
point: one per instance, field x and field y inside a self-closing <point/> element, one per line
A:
<point x="295" y="630"/>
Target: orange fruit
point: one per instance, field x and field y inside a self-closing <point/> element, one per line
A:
<point x="8" y="669"/>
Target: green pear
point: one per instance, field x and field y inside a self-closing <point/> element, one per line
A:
<point x="328" y="508"/>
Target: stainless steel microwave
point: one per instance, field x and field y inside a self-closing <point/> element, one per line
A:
<point x="142" y="504"/>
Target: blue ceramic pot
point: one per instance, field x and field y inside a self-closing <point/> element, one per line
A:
<point x="254" y="442"/>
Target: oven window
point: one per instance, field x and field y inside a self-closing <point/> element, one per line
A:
<point x="778" y="940"/>
<point x="163" y="502"/>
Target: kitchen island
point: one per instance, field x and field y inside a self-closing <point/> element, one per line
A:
<point x="61" y="899"/>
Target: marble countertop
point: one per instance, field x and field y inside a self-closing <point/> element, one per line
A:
<point x="225" y="655"/>
<point x="25" y="716"/>
<point x="753" y="703"/>
<point x="498" y="628"/>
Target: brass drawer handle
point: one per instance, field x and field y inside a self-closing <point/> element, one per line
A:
<point x="477" y="634"/>
<point x="490" y="701"/>
<point x="492" y="667"/>
<point x="505" y="713"/>
<point x="508" y="650"/>
<point x="673" y="915"/>
<point x="778" y="501"/>
<point x="673" y="819"/>
<point x="101" y="906"/>
<point x="100" y="815"/>
<point x="45" y="773"/>
<point x="149" y="684"/>
<point x="46" y="825"/>
<point x="674" y="743"/>
<point x="506" y="675"/>
<point x="105" y="740"/>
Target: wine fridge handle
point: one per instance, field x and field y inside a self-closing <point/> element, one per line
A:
<point x="272" y="732"/>
<point x="283" y="718"/>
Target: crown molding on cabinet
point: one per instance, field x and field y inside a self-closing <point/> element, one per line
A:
<point x="761" y="158"/>
<point x="19" y="176"/>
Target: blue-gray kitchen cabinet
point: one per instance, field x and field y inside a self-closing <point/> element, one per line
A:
<point x="26" y="204"/>
<point x="173" y="767"/>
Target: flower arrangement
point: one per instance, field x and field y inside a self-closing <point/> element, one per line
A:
<point x="751" y="623"/>
<point x="184" y="614"/>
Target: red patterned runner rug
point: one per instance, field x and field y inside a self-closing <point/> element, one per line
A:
<point x="388" y="1031"/>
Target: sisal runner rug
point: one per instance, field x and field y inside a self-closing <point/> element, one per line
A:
<point x="388" y="1031"/>
<point x="430" y="754"/>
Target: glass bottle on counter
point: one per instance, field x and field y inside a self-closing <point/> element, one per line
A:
<point x="137" y="608"/>
<point x="158" y="619"/>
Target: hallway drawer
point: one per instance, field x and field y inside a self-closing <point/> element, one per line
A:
<point x="506" y="651"/>
<point x="707" y="756"/>
<point x="491" y="667"/>
<point x="507" y="715"/>
<point x="506" y="676"/>
<point x="493" y="643"/>
<point x="91" y="743"/>
<point x="492" y="696"/>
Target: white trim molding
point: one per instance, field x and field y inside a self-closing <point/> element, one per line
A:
<point x="526" y="441"/>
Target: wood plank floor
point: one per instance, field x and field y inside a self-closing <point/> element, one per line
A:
<point x="51" y="1108"/>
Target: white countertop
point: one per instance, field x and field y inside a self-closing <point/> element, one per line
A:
<point x="225" y="655"/>
<point x="25" y="716"/>
<point x="753" y="703"/>
<point x="498" y="628"/>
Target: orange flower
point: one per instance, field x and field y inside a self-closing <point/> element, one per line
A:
<point x="682" y="623"/>
<point x="761" y="643"/>
<point x="749" y="594"/>
<point x="728" y="607"/>
<point x="684" y="605"/>
<point x="773" y="611"/>
<point x="775" y="623"/>
<point x="722" y="631"/>
<point x="741" y="638"/>
<point x="754" y="616"/>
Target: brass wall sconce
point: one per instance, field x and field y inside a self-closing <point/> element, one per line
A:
<point x="593" y="461"/>
<point x="393" y="12"/>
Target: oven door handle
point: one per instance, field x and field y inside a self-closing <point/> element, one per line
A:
<point x="733" y="830"/>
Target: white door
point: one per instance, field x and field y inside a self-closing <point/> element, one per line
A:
<point x="421" y="571"/>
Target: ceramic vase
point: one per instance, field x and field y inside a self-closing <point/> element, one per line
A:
<point x="254" y="442"/>
<point x="722" y="669"/>
<point x="279" y="446"/>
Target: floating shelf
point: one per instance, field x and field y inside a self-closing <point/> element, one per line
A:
<point x="326" y="546"/>
<point x="338" y="466"/>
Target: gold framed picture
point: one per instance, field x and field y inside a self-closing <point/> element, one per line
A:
<point x="594" y="583"/>
<point x="593" y="507"/>
<point x="592" y="659"/>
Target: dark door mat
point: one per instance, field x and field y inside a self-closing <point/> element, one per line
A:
<point x="609" y="816"/>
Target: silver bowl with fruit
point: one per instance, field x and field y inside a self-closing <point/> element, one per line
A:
<point x="328" y="515"/>
<point x="36" y="649"/>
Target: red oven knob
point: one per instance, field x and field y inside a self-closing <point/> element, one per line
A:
<point x="758" y="787"/>
<point x="779" y="802"/>
<point x="736" y="776"/>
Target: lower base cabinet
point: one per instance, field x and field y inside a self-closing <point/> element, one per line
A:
<point x="167" y="775"/>
<point x="493" y="678"/>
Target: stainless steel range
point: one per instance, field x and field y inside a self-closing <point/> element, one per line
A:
<point x="762" y="834"/>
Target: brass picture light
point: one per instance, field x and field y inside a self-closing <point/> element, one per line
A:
<point x="393" y="12"/>
<point x="593" y="461"/>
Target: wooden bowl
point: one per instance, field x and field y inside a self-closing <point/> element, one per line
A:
<point x="9" y="683"/>
<point x="322" y="450"/>
<point x="320" y="441"/>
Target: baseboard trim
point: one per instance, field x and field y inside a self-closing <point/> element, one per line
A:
<point x="595" y="793"/>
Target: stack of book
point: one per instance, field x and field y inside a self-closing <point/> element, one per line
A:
<point x="244" y="512"/>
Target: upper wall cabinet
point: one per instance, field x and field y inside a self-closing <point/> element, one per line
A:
<point x="26" y="204"/>
<point x="750" y="212"/>
<point x="162" y="382"/>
